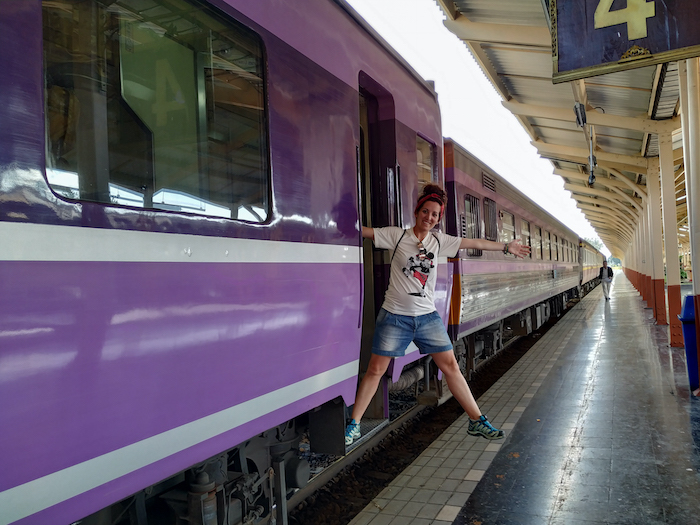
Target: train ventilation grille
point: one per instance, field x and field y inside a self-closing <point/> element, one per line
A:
<point x="463" y="225"/>
<point x="488" y="182"/>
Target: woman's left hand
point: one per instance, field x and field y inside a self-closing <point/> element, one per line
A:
<point x="518" y="249"/>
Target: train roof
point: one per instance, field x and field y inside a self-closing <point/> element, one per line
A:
<point x="429" y="85"/>
<point x="501" y="186"/>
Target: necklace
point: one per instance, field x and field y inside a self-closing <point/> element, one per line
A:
<point x="416" y="235"/>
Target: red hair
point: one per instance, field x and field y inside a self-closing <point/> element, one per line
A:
<point x="431" y="195"/>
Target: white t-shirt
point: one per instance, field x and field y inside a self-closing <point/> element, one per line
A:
<point x="413" y="272"/>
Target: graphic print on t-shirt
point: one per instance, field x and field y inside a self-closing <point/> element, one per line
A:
<point x="418" y="267"/>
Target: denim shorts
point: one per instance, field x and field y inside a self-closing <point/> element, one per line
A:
<point x="393" y="334"/>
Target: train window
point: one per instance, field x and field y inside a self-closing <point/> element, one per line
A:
<point x="555" y="248"/>
<point x="547" y="246"/>
<point x="507" y="227"/>
<point x="538" y="242"/>
<point x="156" y="105"/>
<point x="472" y="226"/>
<point x="425" y="152"/>
<point x="490" y="220"/>
<point x="525" y="234"/>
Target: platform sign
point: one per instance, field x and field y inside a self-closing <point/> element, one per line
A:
<point x="594" y="37"/>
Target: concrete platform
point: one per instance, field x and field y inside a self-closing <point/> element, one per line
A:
<point x="602" y="429"/>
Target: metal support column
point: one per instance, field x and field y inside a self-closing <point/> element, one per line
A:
<point x="635" y="255"/>
<point x="640" y="256"/>
<point x="673" y="273"/>
<point x="656" y="254"/>
<point x="683" y="85"/>
<point x="634" y="264"/>
<point x="692" y="175"/>
<point x="646" y="259"/>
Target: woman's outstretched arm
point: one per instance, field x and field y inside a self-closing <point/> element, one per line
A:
<point x="367" y="233"/>
<point x="514" y="247"/>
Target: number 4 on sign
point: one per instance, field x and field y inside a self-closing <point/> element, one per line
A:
<point x="634" y="15"/>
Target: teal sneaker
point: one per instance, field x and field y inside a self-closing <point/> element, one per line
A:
<point x="352" y="432"/>
<point x="481" y="427"/>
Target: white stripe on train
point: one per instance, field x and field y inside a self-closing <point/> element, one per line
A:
<point x="39" y="494"/>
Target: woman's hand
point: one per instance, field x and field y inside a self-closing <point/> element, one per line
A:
<point x="517" y="249"/>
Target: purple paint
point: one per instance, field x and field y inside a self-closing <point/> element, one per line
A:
<point x="107" y="354"/>
<point x="156" y="345"/>
<point x="330" y="38"/>
<point x="97" y="498"/>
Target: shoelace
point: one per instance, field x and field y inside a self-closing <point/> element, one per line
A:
<point x="486" y="423"/>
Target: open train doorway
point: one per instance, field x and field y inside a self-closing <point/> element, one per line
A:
<point x="379" y="188"/>
<point x="370" y="306"/>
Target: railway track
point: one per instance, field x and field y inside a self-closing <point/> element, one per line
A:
<point x="344" y="488"/>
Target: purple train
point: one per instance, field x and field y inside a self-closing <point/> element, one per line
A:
<point x="495" y="294"/>
<point x="183" y="285"/>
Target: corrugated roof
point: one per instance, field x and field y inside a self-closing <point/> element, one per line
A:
<point x="510" y="40"/>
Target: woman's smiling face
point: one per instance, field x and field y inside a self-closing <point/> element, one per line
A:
<point x="428" y="216"/>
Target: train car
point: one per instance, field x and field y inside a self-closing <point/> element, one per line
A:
<point x="182" y="274"/>
<point x="591" y="261"/>
<point x="495" y="293"/>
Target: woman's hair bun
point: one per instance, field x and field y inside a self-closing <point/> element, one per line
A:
<point x="434" y="189"/>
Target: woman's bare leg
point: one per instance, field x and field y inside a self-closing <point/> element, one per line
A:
<point x="368" y="386"/>
<point x="458" y="385"/>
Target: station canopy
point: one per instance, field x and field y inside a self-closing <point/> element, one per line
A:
<point x="626" y="113"/>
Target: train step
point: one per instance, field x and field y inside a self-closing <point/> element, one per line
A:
<point x="368" y="428"/>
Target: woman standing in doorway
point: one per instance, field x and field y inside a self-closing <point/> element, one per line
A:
<point x="408" y="312"/>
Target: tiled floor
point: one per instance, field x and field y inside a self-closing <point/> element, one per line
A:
<point x="601" y="429"/>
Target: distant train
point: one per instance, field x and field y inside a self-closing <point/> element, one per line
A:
<point x="184" y="288"/>
<point x="493" y="292"/>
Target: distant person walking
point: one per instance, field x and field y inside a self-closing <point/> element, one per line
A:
<point x="606" y="276"/>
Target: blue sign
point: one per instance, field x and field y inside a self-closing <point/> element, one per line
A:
<point x="595" y="37"/>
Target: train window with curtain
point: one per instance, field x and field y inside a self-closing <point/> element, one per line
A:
<point x="525" y="235"/>
<point x="425" y="153"/>
<point x="547" y="246"/>
<point x="507" y="227"/>
<point x="564" y="251"/>
<point x="490" y="220"/>
<point x="472" y="223"/>
<point x="538" y="243"/>
<point x="555" y="248"/>
<point x="156" y="105"/>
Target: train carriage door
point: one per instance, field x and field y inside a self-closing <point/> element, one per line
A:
<point x="380" y="199"/>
